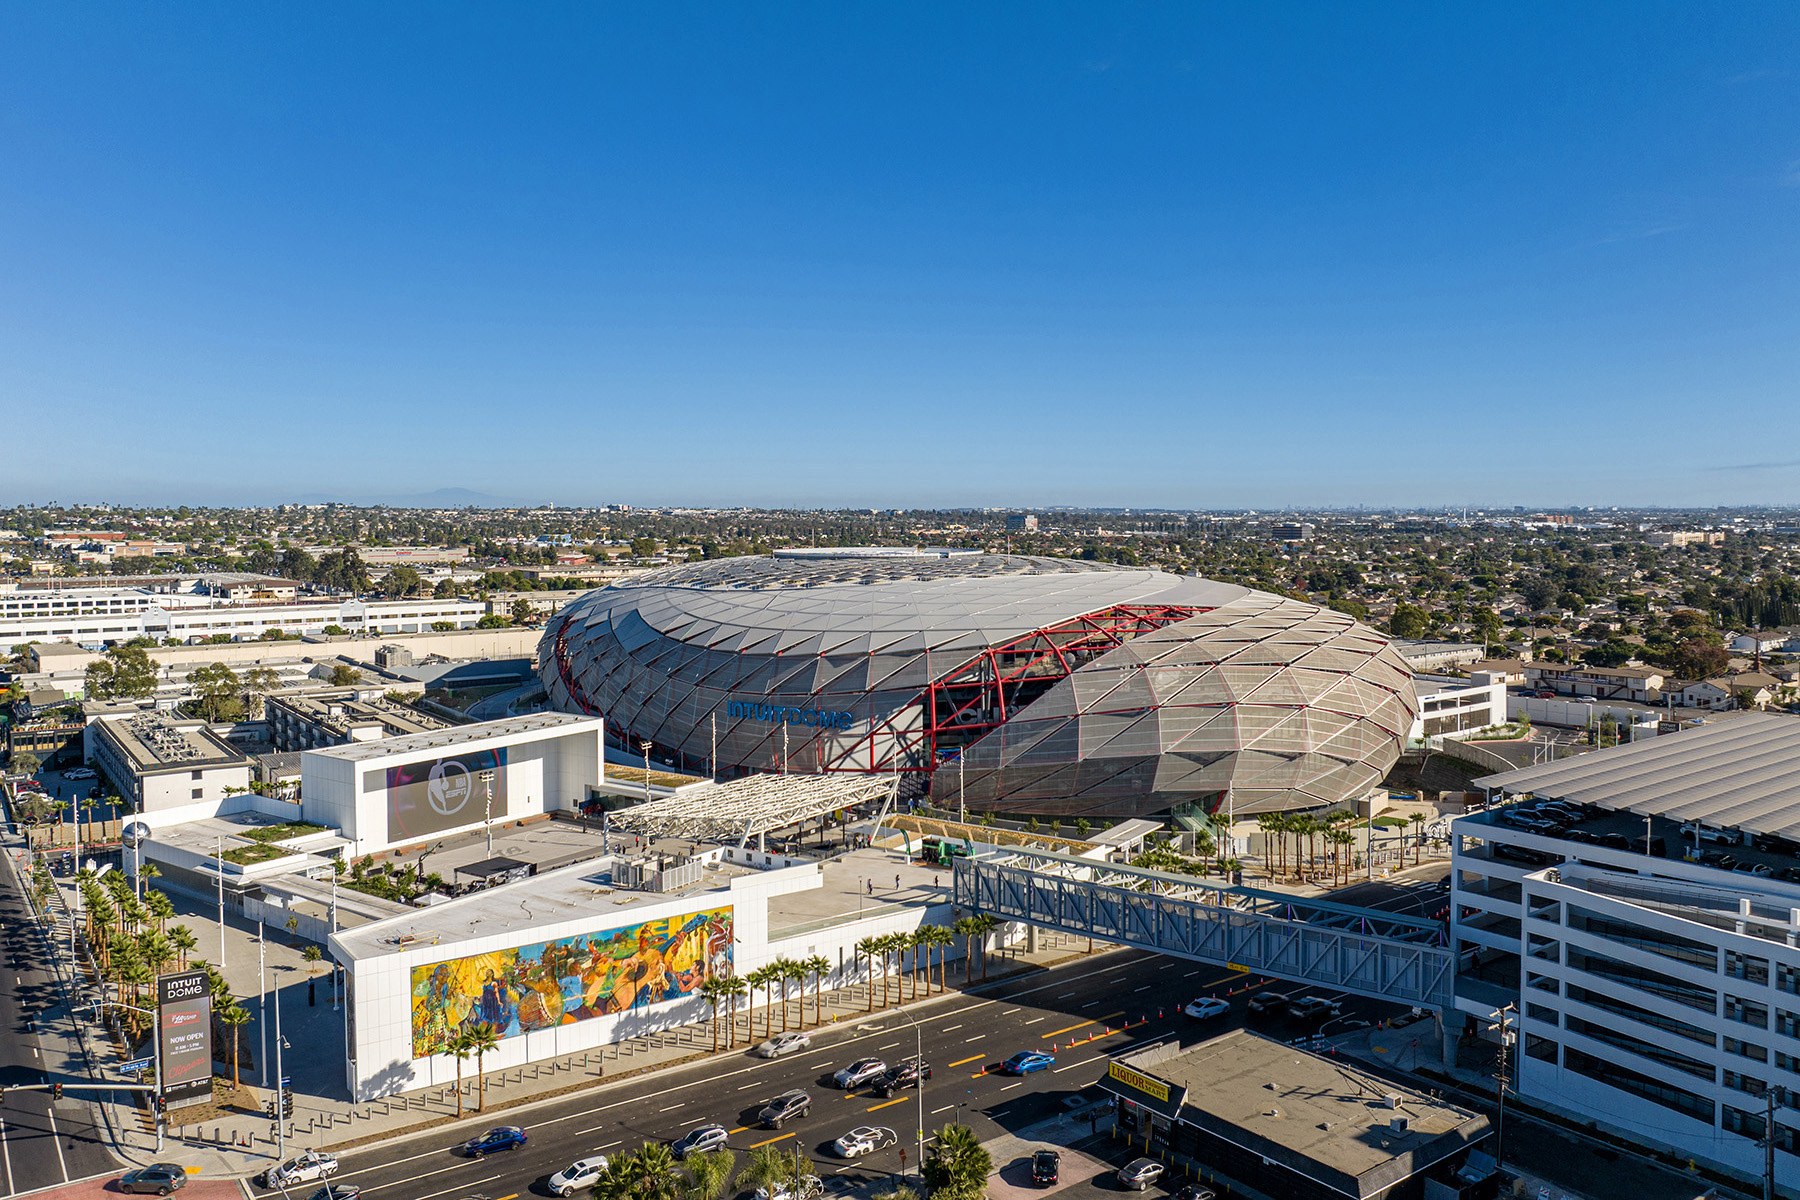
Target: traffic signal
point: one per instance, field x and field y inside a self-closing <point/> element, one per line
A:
<point x="287" y="1103"/>
<point x="56" y="1091"/>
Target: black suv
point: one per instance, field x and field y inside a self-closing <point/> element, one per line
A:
<point x="908" y="1074"/>
<point x="784" y="1107"/>
<point x="1267" y="1002"/>
<point x="1046" y="1167"/>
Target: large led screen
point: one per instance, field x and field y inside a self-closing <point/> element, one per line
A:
<point x="567" y="980"/>
<point x="184" y="1027"/>
<point x="445" y="793"/>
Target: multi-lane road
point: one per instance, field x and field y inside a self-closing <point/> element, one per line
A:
<point x="42" y="1142"/>
<point x="962" y="1035"/>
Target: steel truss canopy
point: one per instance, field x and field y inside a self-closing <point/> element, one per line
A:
<point x="750" y="807"/>
<point x="1050" y="686"/>
<point x="1367" y="951"/>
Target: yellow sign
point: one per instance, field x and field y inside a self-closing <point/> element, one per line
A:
<point x="1142" y="1083"/>
<point x="1237" y="968"/>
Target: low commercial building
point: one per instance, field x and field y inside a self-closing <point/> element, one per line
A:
<point x="1639" y="920"/>
<point x="1437" y="656"/>
<point x="1641" y="685"/>
<point x="170" y="770"/>
<point x="399" y="791"/>
<point x="1449" y="706"/>
<point x="1242" y="1108"/>
<point x="310" y="722"/>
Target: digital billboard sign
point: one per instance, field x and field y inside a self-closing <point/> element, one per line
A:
<point x="184" y="1032"/>
<point x="445" y="793"/>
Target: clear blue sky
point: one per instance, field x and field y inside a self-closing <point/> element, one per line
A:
<point x="1155" y="255"/>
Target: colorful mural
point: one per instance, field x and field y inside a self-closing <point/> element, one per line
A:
<point x="569" y="979"/>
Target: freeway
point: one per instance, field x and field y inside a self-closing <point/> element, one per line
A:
<point x="962" y="1036"/>
<point x="42" y="1142"/>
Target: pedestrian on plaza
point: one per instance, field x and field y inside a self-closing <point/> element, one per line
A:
<point x="871" y="884"/>
<point x="896" y="883"/>
<point x="934" y="880"/>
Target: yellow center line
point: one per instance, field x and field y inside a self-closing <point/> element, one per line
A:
<point x="784" y="1137"/>
<point x="978" y="1075"/>
<point x="972" y="1058"/>
<point x="740" y="1129"/>
<point x="514" y="1196"/>
<point x="1084" y="1024"/>
<point x="885" y="1103"/>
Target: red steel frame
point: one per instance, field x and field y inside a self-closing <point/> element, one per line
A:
<point x="962" y="706"/>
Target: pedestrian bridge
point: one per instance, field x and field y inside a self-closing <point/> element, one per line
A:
<point x="1363" y="951"/>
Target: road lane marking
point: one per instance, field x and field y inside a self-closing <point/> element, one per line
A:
<point x="1084" y="1062"/>
<point x="946" y="1108"/>
<point x="889" y="1046"/>
<point x="1082" y="1025"/>
<point x="1092" y="1004"/>
<point x="817" y="1066"/>
<point x="673" y="1107"/>
<point x="976" y="1038"/>
<point x="1035" y="1020"/>
<point x="6" y="1152"/>
<point x="1009" y="1087"/>
<point x="972" y="1058"/>
<point x="739" y="1129"/>
<point x="459" y="1187"/>
<point x="1145" y="988"/>
<point x="56" y="1139"/>
<point x="758" y="1145"/>
<point x="1165" y="966"/>
<point x="950" y="1029"/>
<point x="1065" y="995"/>
<point x="748" y="1086"/>
<point x="885" y="1103"/>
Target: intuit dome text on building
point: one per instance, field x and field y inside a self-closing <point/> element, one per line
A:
<point x="1045" y="685"/>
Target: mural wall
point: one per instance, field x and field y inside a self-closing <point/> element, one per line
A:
<point x="570" y="979"/>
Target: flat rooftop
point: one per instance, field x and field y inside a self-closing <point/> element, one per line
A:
<point x="1742" y="774"/>
<point x="457" y="735"/>
<point x="339" y="713"/>
<point x="154" y="742"/>
<point x="1317" y="1108"/>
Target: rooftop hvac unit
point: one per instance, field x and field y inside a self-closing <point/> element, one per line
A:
<point x="1397" y="1125"/>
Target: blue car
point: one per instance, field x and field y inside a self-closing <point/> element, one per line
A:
<point x="1027" y="1061"/>
<point x="500" y="1137"/>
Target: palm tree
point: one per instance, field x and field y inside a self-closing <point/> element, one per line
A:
<point x="817" y="965"/>
<point x="483" y="1040"/>
<point x="968" y="929"/>
<point x="790" y="971"/>
<point x="156" y="950"/>
<point x="718" y="989"/>
<point x="1221" y="829"/>
<point x="654" y="1175"/>
<point x="896" y="944"/>
<point x="1418" y="823"/>
<point x="183" y="940"/>
<point x="233" y="1018"/>
<point x="957" y="1165"/>
<point x="708" y="1174"/>
<point x="460" y="1046"/>
<point x="161" y="908"/>
<point x="867" y="948"/>
<point x="762" y="977"/>
<point x="769" y="1168"/>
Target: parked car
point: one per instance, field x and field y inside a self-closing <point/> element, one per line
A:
<point x="783" y="1043"/>
<point x="864" y="1139"/>
<point x="784" y="1107"/>
<point x="1027" y="1061"/>
<point x="699" y="1140"/>
<point x="859" y="1073"/>
<point x="1520" y="854"/>
<point x="302" y="1168"/>
<point x="160" y="1178"/>
<point x="1312" y="1008"/>
<point x="1046" y="1167"/>
<point x="907" y="1074"/>
<point x="1205" y="1007"/>
<point x="1788" y="874"/>
<point x="500" y="1137"/>
<point x="79" y="773"/>
<point x="579" y="1174"/>
<point x="1267" y="1002"/>
<point x="1618" y="841"/>
<point x="1760" y="870"/>
<point x="1196" y="1191"/>
<point x="1140" y="1173"/>
<point x="1713" y="858"/>
<point x="1773" y="843"/>
<point x="1718" y="837"/>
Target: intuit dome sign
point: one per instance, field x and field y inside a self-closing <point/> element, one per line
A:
<point x="778" y="714"/>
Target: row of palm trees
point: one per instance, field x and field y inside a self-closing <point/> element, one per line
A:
<point x="724" y="992"/>
<point x="652" y="1172"/>
<point x="1318" y="837"/>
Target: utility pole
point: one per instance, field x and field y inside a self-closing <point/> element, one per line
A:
<point x="1503" y="1077"/>
<point x="262" y="1006"/>
<point x="1768" y="1144"/>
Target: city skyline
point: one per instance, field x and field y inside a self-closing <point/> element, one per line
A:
<point x="1107" y="258"/>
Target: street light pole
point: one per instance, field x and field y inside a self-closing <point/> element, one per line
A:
<point x="155" y="1055"/>
<point x="219" y="866"/>
<point x="487" y="785"/>
<point x="645" y="747"/>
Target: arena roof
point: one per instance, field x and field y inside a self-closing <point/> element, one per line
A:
<point x="1737" y="774"/>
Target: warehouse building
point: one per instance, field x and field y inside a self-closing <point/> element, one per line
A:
<point x="1074" y="689"/>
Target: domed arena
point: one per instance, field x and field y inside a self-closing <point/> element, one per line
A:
<point x="1011" y="684"/>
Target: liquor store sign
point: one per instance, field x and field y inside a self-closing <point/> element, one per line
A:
<point x="184" y="1036"/>
<point x="1142" y="1082"/>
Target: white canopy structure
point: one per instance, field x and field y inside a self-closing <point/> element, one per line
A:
<point x="750" y="807"/>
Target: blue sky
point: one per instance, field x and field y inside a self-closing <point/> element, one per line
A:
<point x="1197" y="255"/>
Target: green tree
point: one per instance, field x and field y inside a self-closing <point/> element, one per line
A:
<point x="258" y="683"/>
<point x="217" y="686"/>
<point x="956" y="1166"/>
<point x="1408" y="620"/>
<point x="234" y="1018"/>
<point x="401" y="582"/>
<point x="123" y="673"/>
<point x="335" y="631"/>
<point x="718" y="990"/>
<point x="26" y="763"/>
<point x="770" y="1169"/>
<point x="816" y="965"/>
<point x="483" y="1040"/>
<point x="460" y="1047"/>
<point x="492" y="621"/>
<point x="344" y="675"/>
<point x="522" y="611"/>
<point x="643" y="547"/>
<point x="442" y="626"/>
